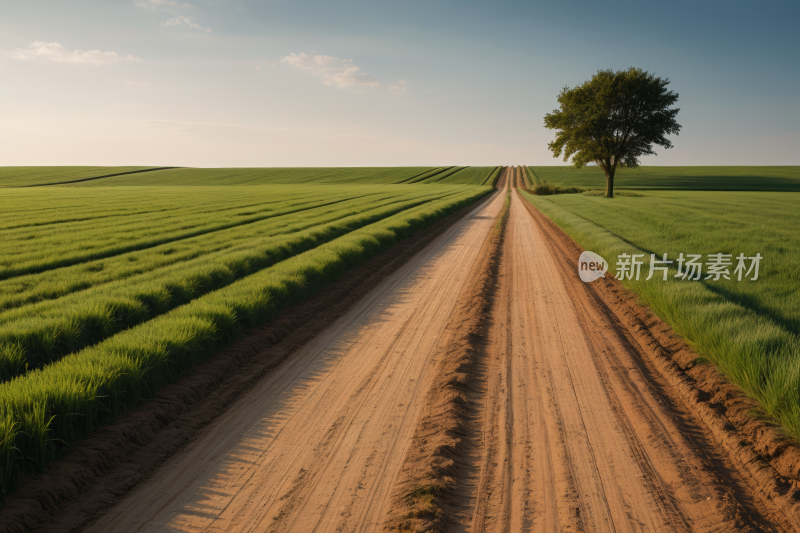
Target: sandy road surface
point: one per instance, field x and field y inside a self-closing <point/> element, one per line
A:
<point x="576" y="436"/>
<point x="317" y="444"/>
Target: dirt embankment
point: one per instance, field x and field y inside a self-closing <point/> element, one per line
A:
<point x="106" y="465"/>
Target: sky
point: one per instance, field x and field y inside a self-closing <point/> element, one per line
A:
<point x="229" y="83"/>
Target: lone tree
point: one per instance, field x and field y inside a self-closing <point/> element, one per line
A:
<point x="612" y="120"/>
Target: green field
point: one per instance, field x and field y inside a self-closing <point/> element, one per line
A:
<point x="261" y="176"/>
<point x="749" y="329"/>
<point x="668" y="178"/>
<point x="139" y="176"/>
<point x="109" y="293"/>
<point x="31" y="176"/>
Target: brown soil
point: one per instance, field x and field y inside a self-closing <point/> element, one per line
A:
<point x="107" y="464"/>
<point x="431" y="468"/>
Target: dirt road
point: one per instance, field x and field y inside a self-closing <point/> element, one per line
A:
<point x="570" y="428"/>
<point x="317" y="444"/>
<point x="577" y="433"/>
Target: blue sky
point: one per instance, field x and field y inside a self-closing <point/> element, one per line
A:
<point x="311" y="83"/>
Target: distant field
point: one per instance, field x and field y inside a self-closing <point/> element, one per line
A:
<point x="328" y="176"/>
<point x="109" y="293"/>
<point x="750" y="329"/>
<point x="27" y="176"/>
<point x="265" y="176"/>
<point x="690" y="178"/>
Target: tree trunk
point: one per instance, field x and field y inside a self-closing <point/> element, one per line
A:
<point x="610" y="184"/>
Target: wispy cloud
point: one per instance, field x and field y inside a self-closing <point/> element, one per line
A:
<point x="262" y="63"/>
<point x="57" y="52"/>
<point x="332" y="70"/>
<point x="182" y="19"/>
<point x="399" y="87"/>
<point x="161" y="4"/>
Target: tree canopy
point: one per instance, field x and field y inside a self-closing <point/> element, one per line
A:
<point x="612" y="120"/>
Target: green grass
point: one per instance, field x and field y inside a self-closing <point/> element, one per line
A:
<point x="264" y="176"/>
<point x="749" y="329"/>
<point x="28" y="176"/>
<point x="249" y="176"/>
<point x="161" y="219"/>
<point x="109" y="293"/>
<point x="63" y="310"/>
<point x="472" y="176"/>
<point x="690" y="178"/>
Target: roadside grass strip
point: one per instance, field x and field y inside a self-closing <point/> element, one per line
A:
<point x="749" y="329"/>
<point x="45" y="411"/>
<point x="773" y="178"/>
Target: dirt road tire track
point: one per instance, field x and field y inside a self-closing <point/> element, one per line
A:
<point x="107" y="464"/>
<point x="431" y="470"/>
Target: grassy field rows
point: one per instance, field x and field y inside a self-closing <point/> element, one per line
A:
<point x="130" y="287"/>
<point x="32" y="207"/>
<point x="471" y="176"/>
<point x="40" y="248"/>
<point x="29" y="176"/>
<point x="34" y="335"/>
<point x="431" y="174"/>
<point x="749" y="329"/>
<point x="265" y="176"/>
<point x="53" y="283"/>
<point x="687" y="178"/>
<point x="19" y="176"/>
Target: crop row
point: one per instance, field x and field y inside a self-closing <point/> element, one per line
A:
<point x="35" y="335"/>
<point x="28" y="176"/>
<point x="42" y="248"/>
<point x="49" y="409"/>
<point x="58" y="206"/>
<point x="262" y="176"/>
<point x="472" y="176"/>
<point x="433" y="174"/>
<point x="58" y="282"/>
